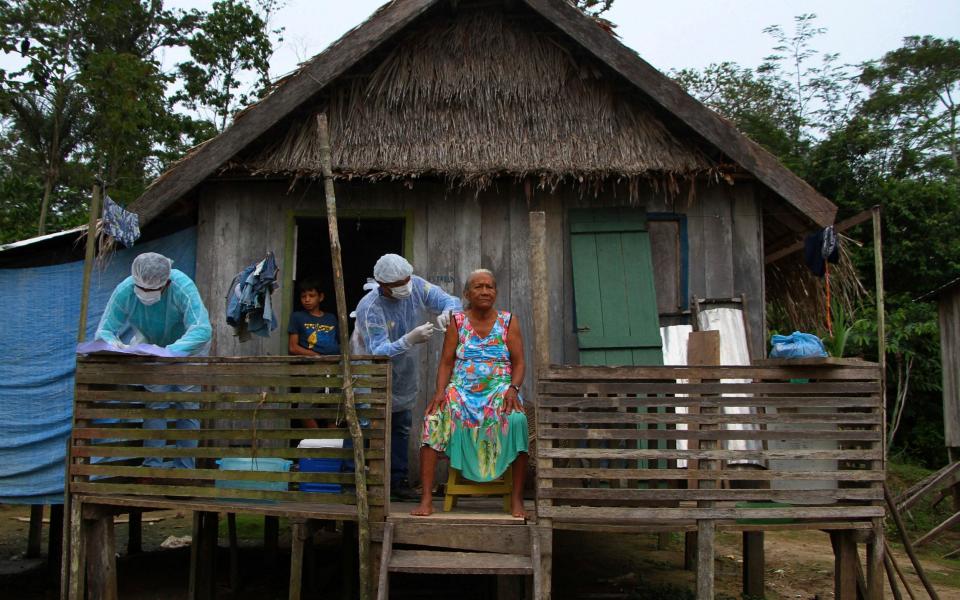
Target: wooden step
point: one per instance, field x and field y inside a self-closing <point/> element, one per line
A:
<point x="459" y="563"/>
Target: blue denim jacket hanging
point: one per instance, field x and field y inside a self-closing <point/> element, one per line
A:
<point x="248" y="303"/>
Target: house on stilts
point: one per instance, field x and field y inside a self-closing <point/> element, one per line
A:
<point x="450" y="123"/>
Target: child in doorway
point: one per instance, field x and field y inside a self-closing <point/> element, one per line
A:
<point x="312" y="331"/>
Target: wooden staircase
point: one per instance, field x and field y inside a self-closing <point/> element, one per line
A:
<point x="517" y="552"/>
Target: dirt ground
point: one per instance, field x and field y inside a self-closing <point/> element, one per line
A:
<point x="587" y="566"/>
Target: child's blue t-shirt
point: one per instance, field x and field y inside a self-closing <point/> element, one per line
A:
<point x="315" y="333"/>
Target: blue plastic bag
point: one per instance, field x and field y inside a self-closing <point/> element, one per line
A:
<point x="796" y="345"/>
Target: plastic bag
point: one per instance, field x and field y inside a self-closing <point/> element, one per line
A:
<point x="796" y="345"/>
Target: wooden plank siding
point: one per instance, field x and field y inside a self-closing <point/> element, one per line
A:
<point x="950" y="361"/>
<point x="458" y="229"/>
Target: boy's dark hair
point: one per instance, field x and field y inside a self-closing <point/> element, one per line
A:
<point x="309" y="284"/>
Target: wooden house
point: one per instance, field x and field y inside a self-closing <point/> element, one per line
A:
<point x="450" y="120"/>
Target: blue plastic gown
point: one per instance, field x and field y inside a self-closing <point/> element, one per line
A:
<point x="178" y="322"/>
<point x="384" y="321"/>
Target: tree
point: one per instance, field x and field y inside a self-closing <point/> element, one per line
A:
<point x="230" y="40"/>
<point x="914" y="106"/>
<point x="42" y="99"/>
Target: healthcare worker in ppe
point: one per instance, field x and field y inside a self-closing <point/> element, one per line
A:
<point x="393" y="320"/>
<point x="160" y="306"/>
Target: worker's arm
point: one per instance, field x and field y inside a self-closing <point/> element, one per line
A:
<point x="195" y="318"/>
<point x="115" y="317"/>
<point x="436" y="300"/>
<point x="373" y="328"/>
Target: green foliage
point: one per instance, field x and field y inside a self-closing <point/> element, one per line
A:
<point x="89" y="95"/>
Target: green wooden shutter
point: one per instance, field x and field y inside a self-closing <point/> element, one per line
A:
<point x="616" y="303"/>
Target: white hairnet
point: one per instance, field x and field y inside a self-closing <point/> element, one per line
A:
<point x="391" y="268"/>
<point x="151" y="270"/>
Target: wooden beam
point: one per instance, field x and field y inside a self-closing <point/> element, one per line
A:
<point x="839" y="227"/>
<point x="287" y="96"/>
<point x="669" y="95"/>
<point x="35" y="533"/>
<point x="936" y="531"/>
<point x="706" y="530"/>
<point x="846" y="564"/>
<point x="907" y="546"/>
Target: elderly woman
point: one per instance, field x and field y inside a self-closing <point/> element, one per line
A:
<point x="476" y="416"/>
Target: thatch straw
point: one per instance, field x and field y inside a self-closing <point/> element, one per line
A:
<point x="795" y="294"/>
<point x="478" y="95"/>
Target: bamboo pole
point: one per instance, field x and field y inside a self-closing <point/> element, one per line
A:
<point x="907" y="545"/>
<point x="363" y="508"/>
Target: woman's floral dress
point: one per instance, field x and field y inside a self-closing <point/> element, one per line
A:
<point x="472" y="428"/>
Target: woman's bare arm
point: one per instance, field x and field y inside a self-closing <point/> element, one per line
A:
<point x="445" y="369"/>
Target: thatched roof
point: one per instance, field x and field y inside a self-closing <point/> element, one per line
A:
<point x="475" y="95"/>
<point x="654" y="150"/>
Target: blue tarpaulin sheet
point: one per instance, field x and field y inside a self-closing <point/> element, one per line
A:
<point x="38" y="356"/>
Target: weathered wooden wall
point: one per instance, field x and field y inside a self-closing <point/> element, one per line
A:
<point x="950" y="361"/>
<point x="458" y="230"/>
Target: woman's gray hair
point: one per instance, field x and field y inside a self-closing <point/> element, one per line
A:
<point x="466" y="284"/>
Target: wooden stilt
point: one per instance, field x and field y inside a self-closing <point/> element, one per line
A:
<point x="35" y="534"/>
<point x="101" y="558"/>
<point x="235" y="581"/>
<point x="271" y="541"/>
<point x="203" y="556"/>
<point x="753" y="563"/>
<point x="135" y="533"/>
<point x="363" y="505"/>
<point x="297" y="541"/>
<point x="690" y="550"/>
<point x="845" y="565"/>
<point x="706" y="530"/>
<point x="875" y="562"/>
<point x="76" y="551"/>
<point x="546" y="560"/>
<point x="55" y="544"/>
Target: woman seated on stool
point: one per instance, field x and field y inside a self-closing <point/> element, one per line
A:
<point x="476" y="416"/>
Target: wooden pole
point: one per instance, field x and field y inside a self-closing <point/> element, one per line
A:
<point x="907" y="545"/>
<point x="88" y="261"/>
<point x="68" y="570"/>
<point x="541" y="301"/>
<point x="881" y="322"/>
<point x="363" y="507"/>
<point x="888" y="555"/>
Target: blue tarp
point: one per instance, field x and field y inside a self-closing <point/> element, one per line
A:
<point x="37" y="346"/>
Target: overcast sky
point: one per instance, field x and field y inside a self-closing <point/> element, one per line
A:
<point x="674" y="34"/>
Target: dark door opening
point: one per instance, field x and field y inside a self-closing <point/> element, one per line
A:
<point x="362" y="242"/>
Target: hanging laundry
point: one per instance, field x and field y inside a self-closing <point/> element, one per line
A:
<point x="248" y="302"/>
<point x="120" y="224"/>
<point x="819" y="248"/>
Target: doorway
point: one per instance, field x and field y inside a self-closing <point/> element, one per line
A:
<point x="362" y="241"/>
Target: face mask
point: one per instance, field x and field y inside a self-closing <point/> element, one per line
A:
<point x="148" y="298"/>
<point x="403" y="291"/>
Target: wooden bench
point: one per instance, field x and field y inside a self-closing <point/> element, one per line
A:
<point x="248" y="410"/>
<point x="817" y="460"/>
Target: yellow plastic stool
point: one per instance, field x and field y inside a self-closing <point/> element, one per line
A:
<point x="458" y="486"/>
